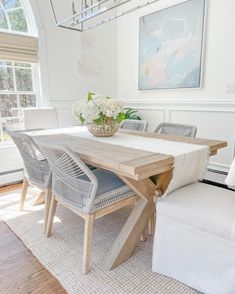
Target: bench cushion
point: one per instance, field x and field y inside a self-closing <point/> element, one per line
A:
<point x="203" y="206"/>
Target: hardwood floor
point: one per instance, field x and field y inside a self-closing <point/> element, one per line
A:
<point x="20" y="271"/>
<point x="11" y="187"/>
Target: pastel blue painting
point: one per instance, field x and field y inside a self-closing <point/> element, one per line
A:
<point x="170" y="53"/>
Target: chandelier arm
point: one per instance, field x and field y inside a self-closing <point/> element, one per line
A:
<point x="70" y="28"/>
<point x="100" y="13"/>
<point x="78" y="14"/>
<point x="53" y="12"/>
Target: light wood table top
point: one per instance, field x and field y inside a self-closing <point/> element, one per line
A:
<point x="133" y="163"/>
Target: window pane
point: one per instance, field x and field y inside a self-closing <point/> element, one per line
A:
<point x="27" y="101"/>
<point x="7" y="102"/>
<point x="17" y="20"/>
<point x="16" y="78"/>
<point x="9" y="4"/>
<point x="5" y="63"/>
<point x="24" y="79"/>
<point x="3" y="20"/>
<point x="6" y="79"/>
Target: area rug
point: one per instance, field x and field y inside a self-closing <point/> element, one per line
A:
<point x="61" y="254"/>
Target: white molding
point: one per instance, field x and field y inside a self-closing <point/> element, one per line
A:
<point x="190" y="102"/>
<point x="219" y="166"/>
<point x="201" y="110"/>
<point x="210" y="110"/>
<point x="148" y="107"/>
<point x="34" y="7"/>
<point x="43" y="66"/>
<point x="43" y="58"/>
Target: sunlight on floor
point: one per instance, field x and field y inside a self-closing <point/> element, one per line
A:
<point x="56" y="220"/>
<point x="9" y="204"/>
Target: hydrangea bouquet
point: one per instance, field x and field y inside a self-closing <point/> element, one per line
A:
<point x="100" y="113"/>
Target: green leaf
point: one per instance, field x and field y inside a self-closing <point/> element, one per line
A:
<point x="136" y="117"/>
<point x="89" y="96"/>
<point x="82" y="119"/>
<point x="120" y="117"/>
<point x="131" y="113"/>
<point x="100" y="120"/>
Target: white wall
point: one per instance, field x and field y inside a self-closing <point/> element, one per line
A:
<point x="59" y="52"/>
<point x="209" y="108"/>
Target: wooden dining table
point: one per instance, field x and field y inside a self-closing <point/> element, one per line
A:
<point x="143" y="171"/>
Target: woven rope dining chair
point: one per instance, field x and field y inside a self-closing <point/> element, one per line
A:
<point x="36" y="167"/>
<point x="91" y="194"/>
<point x="177" y="129"/>
<point x="134" y="124"/>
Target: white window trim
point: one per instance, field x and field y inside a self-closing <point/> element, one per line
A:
<point x="32" y="32"/>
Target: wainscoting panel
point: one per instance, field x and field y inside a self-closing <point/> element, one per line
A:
<point x="153" y="117"/>
<point x="64" y="111"/>
<point x="66" y="118"/>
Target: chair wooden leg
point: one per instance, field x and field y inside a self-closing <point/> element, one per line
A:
<point x="51" y="215"/>
<point x="143" y="236"/>
<point x="151" y="224"/>
<point x="88" y="233"/>
<point x="47" y="207"/>
<point x="23" y="193"/>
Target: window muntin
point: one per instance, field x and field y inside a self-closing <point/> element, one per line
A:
<point x="17" y="90"/>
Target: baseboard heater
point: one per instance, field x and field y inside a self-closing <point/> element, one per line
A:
<point x="217" y="184"/>
<point x="11" y="172"/>
<point x="220" y="172"/>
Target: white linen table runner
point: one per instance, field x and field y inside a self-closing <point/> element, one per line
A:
<point x="190" y="160"/>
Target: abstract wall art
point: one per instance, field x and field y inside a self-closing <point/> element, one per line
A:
<point x="170" y="47"/>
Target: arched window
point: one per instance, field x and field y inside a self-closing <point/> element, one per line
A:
<point x="16" y="16"/>
<point x="18" y="64"/>
<point x="12" y="16"/>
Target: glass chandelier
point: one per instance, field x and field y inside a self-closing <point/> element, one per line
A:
<point x="81" y="15"/>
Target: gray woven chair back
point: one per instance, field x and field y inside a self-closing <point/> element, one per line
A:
<point x="72" y="181"/>
<point x="177" y="129"/>
<point x="36" y="166"/>
<point x="132" y="124"/>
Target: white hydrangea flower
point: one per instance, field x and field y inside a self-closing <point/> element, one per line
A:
<point x="90" y="112"/>
<point x="77" y="107"/>
<point x="97" y="106"/>
<point x="113" y="108"/>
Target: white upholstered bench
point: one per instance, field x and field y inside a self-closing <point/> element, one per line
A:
<point x="195" y="238"/>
